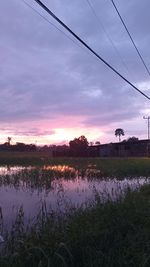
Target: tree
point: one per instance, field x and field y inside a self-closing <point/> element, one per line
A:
<point x="97" y="143"/>
<point x="79" y="146"/>
<point x="132" y="139"/>
<point x="9" y="140"/>
<point x="119" y="132"/>
<point x="24" y="147"/>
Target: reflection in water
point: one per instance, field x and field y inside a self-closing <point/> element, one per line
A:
<point x="57" y="186"/>
<point x="11" y="169"/>
<point x="60" y="168"/>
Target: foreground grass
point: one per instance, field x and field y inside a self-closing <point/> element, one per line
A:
<point x="110" y="234"/>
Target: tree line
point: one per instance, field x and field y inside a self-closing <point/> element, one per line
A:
<point x="21" y="147"/>
<point x="77" y="147"/>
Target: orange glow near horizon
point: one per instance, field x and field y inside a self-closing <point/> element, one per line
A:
<point x="70" y="134"/>
<point x="60" y="136"/>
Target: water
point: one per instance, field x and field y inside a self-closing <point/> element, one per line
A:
<point x="57" y="186"/>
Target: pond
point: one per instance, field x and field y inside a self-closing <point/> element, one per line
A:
<point x="59" y="187"/>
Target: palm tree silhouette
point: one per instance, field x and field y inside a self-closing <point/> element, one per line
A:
<point x="9" y="140"/>
<point x="119" y="132"/>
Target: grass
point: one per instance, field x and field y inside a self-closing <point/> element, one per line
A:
<point x="111" y="234"/>
<point x="23" y="158"/>
<point x="41" y="177"/>
<point x="119" y="167"/>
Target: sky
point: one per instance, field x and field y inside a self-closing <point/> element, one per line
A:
<point x="52" y="89"/>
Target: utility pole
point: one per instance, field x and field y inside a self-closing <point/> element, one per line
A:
<point x="148" y="124"/>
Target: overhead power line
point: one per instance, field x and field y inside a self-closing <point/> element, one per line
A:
<point x="106" y="33"/>
<point x="88" y="47"/>
<point x="51" y="24"/>
<point x="131" y="38"/>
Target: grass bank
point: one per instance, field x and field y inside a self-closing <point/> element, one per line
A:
<point x="106" y="235"/>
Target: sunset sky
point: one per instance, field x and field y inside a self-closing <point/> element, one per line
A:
<point x="52" y="89"/>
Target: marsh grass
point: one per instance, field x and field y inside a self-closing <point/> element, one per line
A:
<point x="36" y="177"/>
<point x="43" y="175"/>
<point x="98" y="233"/>
<point x="102" y="234"/>
<point x="112" y="167"/>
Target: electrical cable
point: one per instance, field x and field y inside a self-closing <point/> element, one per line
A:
<point x="52" y="24"/>
<point x="131" y="38"/>
<point x="88" y="47"/>
<point x="106" y="33"/>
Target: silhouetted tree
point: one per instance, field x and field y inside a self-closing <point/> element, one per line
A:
<point x="91" y="143"/>
<point x="79" y="146"/>
<point x="24" y="147"/>
<point x="132" y="139"/>
<point x="97" y="143"/>
<point x="119" y="132"/>
<point x="9" y="140"/>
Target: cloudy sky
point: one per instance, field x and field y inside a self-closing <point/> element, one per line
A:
<point x="52" y="89"/>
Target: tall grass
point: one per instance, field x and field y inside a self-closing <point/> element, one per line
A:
<point x="104" y="234"/>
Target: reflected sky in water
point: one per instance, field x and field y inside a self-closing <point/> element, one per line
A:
<point x="16" y="188"/>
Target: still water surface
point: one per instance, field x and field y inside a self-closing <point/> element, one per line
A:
<point x="65" y="186"/>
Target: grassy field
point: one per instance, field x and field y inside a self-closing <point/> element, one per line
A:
<point x="111" y="167"/>
<point x="108" y="235"/>
<point x="25" y="158"/>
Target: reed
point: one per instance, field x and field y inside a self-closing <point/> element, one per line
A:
<point x="119" y="167"/>
<point x="100" y="234"/>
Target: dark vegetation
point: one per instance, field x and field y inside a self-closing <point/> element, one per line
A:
<point x="119" y="132"/>
<point x="110" y="234"/>
<point x="78" y="147"/>
<point x="131" y="139"/>
<point x="109" y="167"/>
<point x="114" y="234"/>
<point x="21" y="147"/>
